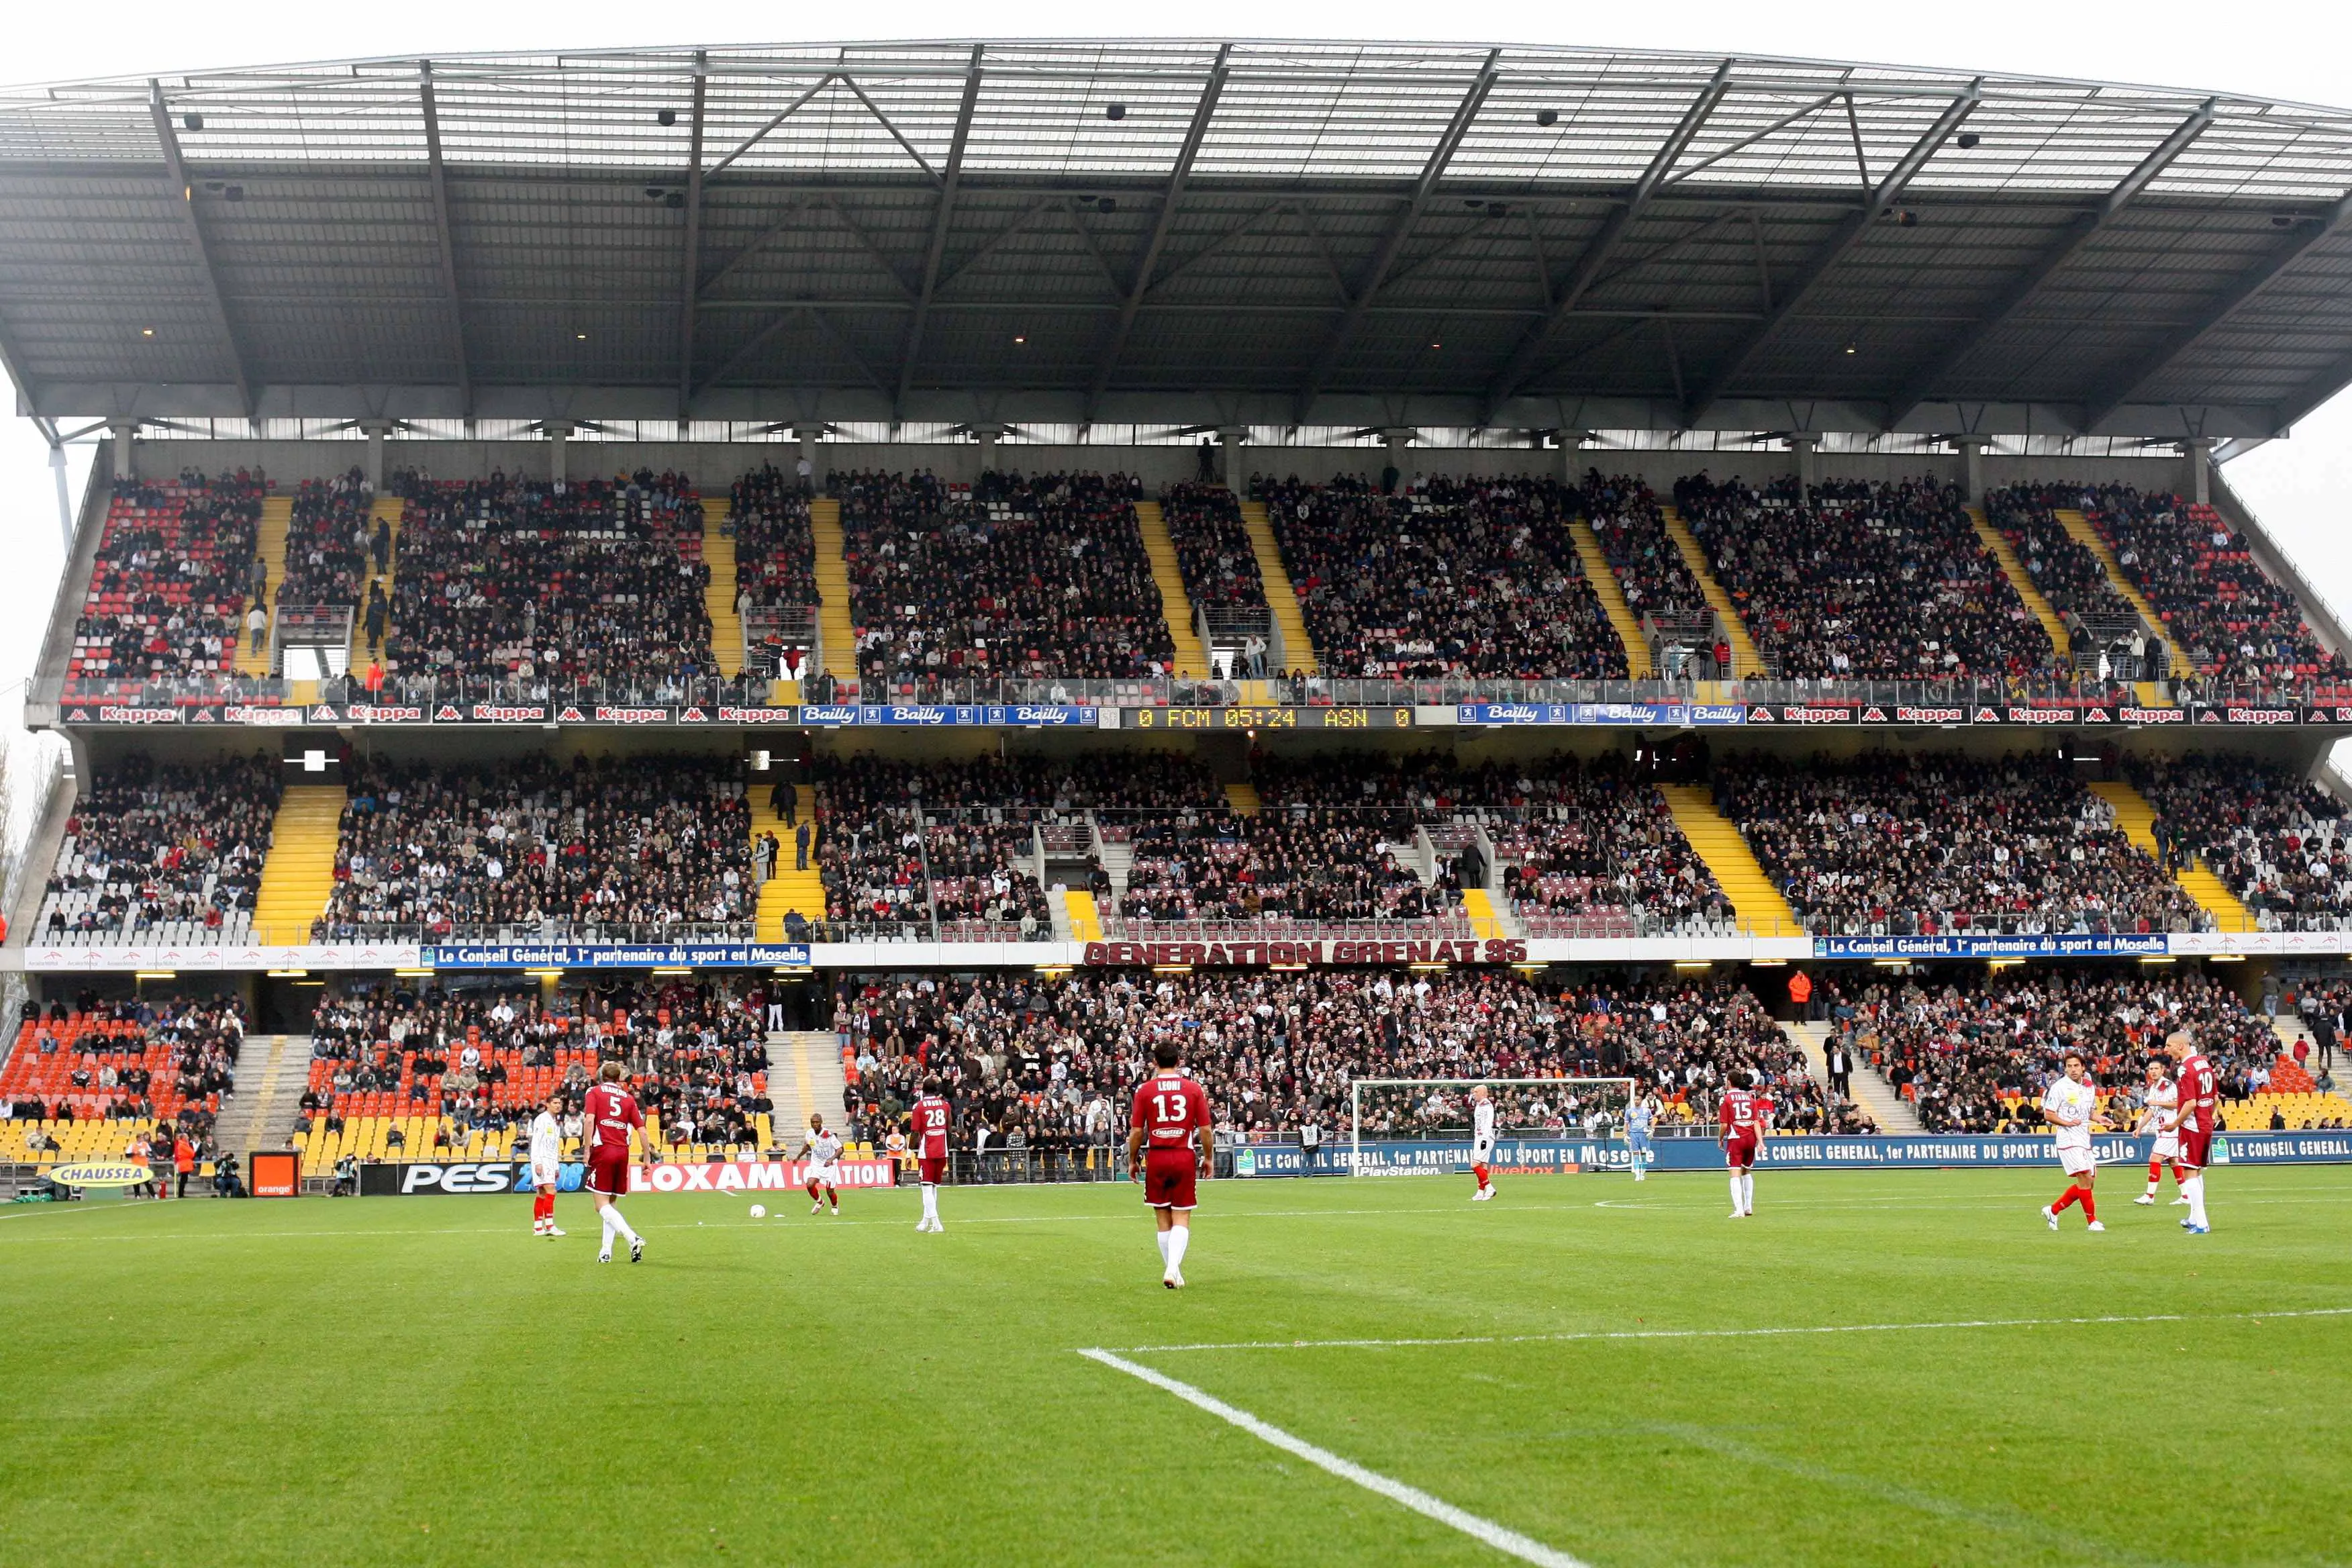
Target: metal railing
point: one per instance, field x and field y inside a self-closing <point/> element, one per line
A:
<point x="754" y="689"/>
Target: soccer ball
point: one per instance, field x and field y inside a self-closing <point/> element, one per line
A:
<point x="759" y="1211"/>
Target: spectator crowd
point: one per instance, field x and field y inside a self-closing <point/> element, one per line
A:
<point x="163" y="853"/>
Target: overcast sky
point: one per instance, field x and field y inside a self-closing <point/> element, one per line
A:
<point x="2298" y="51"/>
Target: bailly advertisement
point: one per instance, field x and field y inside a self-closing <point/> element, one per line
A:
<point x="1525" y="1156"/>
<point x="470" y="1178"/>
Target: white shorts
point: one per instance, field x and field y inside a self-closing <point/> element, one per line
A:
<point x="829" y="1174"/>
<point x="544" y="1178"/>
<point x="1482" y="1152"/>
<point x="2077" y="1161"/>
<point x="2166" y="1147"/>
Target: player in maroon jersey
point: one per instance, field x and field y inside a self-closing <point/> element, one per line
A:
<point x="608" y="1114"/>
<point x="2199" y="1109"/>
<point x="1744" y="1115"/>
<point x="933" y="1117"/>
<point x="1171" y="1114"/>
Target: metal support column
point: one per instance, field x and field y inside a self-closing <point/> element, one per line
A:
<point x="1807" y="449"/>
<point x="1229" y="442"/>
<point x="2200" y="469"/>
<point x="1972" y="448"/>
<point x="559" y="436"/>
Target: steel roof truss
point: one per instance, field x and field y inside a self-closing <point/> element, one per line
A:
<point x="184" y="195"/>
<point x="943" y="215"/>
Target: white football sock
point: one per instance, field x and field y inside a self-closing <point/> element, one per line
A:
<point x="930" y="1200"/>
<point x="1162" y="1237"/>
<point x="605" y="1220"/>
<point x="1736" y="1203"/>
<point x="2197" y="1199"/>
<point x="613" y="1213"/>
<point x="1748" y="1191"/>
<point x="1177" y="1241"/>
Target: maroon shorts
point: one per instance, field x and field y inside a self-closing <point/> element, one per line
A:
<point x="1168" y="1175"/>
<point x="1739" y="1150"/>
<point x="609" y="1174"/>
<point x="2196" y="1148"/>
<point x="934" y="1171"/>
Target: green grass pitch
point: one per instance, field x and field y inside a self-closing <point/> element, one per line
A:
<point x="419" y="1380"/>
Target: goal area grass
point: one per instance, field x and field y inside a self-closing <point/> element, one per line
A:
<point x="1899" y="1367"/>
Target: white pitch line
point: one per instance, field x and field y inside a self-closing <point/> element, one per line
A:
<point x="1732" y="1333"/>
<point x="1508" y="1542"/>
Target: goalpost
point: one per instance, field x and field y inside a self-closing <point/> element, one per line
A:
<point x="1526" y="1110"/>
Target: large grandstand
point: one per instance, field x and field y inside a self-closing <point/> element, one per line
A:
<point x="787" y="573"/>
<point x="1009" y="508"/>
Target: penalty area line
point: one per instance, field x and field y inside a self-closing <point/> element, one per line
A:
<point x="1733" y="1333"/>
<point x="1508" y="1542"/>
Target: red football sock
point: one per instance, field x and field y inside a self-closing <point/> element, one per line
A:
<point x="2090" y="1207"/>
<point x="1481" y="1173"/>
<point x="543" y="1206"/>
<point x="2155" y="1172"/>
<point x="2067" y="1201"/>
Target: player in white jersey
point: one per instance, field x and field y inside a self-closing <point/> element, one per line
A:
<point x="1482" y="1143"/>
<point x="546" y="1166"/>
<point x="2071" y="1106"/>
<point x="1641" y="1120"/>
<point x="2161" y="1124"/>
<point x="822" y="1150"/>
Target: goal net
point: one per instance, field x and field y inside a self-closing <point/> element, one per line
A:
<point x="1397" y="1125"/>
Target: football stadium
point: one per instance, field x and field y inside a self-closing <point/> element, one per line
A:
<point x="1606" y="715"/>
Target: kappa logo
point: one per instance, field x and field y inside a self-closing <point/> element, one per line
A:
<point x="2209" y="716"/>
<point x="2262" y="716"/>
<point x="569" y="716"/>
<point x="202" y="716"/>
<point x="445" y="714"/>
<point x="1873" y="716"/>
<point x="693" y="716"/>
<point x="2152" y="715"/>
<point x="77" y="715"/>
<point x="1931" y="715"/>
<point x="630" y="715"/>
<point x="1759" y="715"/>
<point x="1986" y="716"/>
<point x="137" y="715"/>
<point x="322" y="714"/>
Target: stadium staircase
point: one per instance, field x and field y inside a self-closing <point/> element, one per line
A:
<point x="1871" y="1091"/>
<point x="1281" y="597"/>
<point x="1175" y="604"/>
<point x="719" y="594"/>
<point x="1745" y="660"/>
<point x="1756" y="903"/>
<point x="272" y="1071"/>
<point x="1084" y="917"/>
<point x="1998" y="546"/>
<point x="805" y="1074"/>
<point x="788" y="889"/>
<point x="389" y="509"/>
<point x="2078" y="528"/>
<point x="2136" y="817"/>
<point x="834" y="629"/>
<point x="1242" y="797"/>
<point x="1487" y="918"/>
<point x="1611" y="595"/>
<point x="276" y="513"/>
<point x="300" y="875"/>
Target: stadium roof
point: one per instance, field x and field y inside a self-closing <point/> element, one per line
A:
<point x="1190" y="232"/>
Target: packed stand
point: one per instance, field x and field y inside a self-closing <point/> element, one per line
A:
<point x="1855" y="580"/>
<point x="404" y="1074"/>
<point x="329" y="535"/>
<point x="1321" y="850"/>
<point x="166" y="854"/>
<point x="1624" y="516"/>
<point x="1017" y="578"/>
<point x="1973" y="1056"/>
<point x="2276" y="841"/>
<point x="128" y="1080"/>
<point x="1936" y="842"/>
<point x="545" y="587"/>
<point x="170" y="584"/>
<point x="1592" y="849"/>
<point x="1212" y="547"/>
<point x="1051" y="1067"/>
<point x="1451" y="577"/>
<point x="541" y="847"/>
<point x="2069" y="575"/>
<point x="2223" y="611"/>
